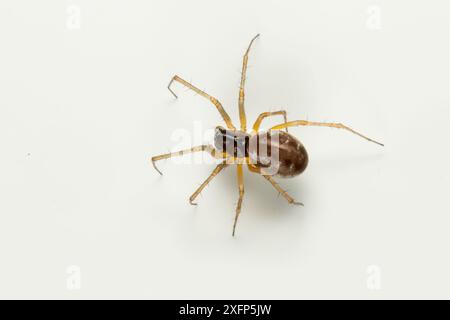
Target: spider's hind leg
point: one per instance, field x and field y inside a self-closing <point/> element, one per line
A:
<point x="323" y="124"/>
<point x="282" y="191"/>
<point x="240" y="177"/>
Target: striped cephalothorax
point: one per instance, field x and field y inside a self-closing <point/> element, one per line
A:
<point x="268" y="153"/>
<point x="234" y="143"/>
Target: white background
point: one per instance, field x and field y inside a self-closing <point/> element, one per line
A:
<point x="84" y="105"/>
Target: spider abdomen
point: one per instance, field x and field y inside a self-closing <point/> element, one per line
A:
<point x="277" y="153"/>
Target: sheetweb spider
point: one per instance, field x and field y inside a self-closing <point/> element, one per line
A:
<point x="269" y="153"/>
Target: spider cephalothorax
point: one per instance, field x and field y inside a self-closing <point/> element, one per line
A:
<point x="269" y="153"/>
<point x="234" y="143"/>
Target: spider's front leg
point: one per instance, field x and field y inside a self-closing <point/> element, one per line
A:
<point x="207" y="148"/>
<point x="214" y="101"/>
<point x="242" y="116"/>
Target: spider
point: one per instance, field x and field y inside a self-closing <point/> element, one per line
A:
<point x="240" y="147"/>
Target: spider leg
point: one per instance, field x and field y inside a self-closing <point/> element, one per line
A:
<point x="322" y="124"/>
<point x="263" y="115"/>
<point x="282" y="191"/>
<point x="240" y="178"/>
<point x="252" y="168"/>
<point x="242" y="116"/>
<point x="207" y="148"/>
<point x="208" y="180"/>
<point x="216" y="102"/>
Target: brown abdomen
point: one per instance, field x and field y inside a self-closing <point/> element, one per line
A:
<point x="278" y="153"/>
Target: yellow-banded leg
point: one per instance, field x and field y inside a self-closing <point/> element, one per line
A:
<point x="240" y="178"/>
<point x="205" y="183"/>
<point x="282" y="191"/>
<point x="242" y="116"/>
<point x="206" y="148"/>
<point x="322" y="124"/>
<point x="216" y="102"/>
<point x="264" y="115"/>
